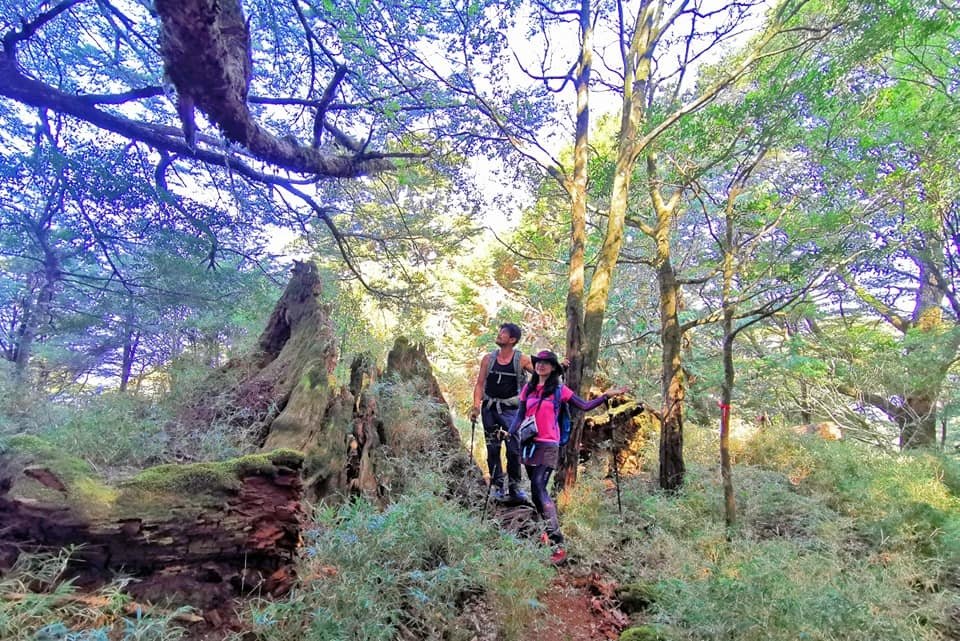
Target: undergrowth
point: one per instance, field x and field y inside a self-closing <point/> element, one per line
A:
<point x="119" y="432"/>
<point x="36" y="605"/>
<point x="420" y="568"/>
<point x="111" y="430"/>
<point x="411" y="571"/>
<point x="832" y="541"/>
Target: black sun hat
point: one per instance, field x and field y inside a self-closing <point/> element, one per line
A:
<point x="548" y="356"/>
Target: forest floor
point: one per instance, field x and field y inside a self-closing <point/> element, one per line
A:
<point x="580" y="606"/>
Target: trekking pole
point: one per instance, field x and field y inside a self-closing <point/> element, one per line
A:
<point x="473" y="428"/>
<point x="486" y="500"/>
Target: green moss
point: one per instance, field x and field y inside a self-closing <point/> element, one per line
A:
<point x="153" y="491"/>
<point x="268" y="462"/>
<point x="29" y="449"/>
<point x="211" y="478"/>
<point x="643" y="633"/>
<point x="84" y="493"/>
<point x="160" y="489"/>
<point x="92" y="498"/>
<point x="195" y="478"/>
<point x="314" y="376"/>
<point x="322" y="458"/>
<point x="635" y="597"/>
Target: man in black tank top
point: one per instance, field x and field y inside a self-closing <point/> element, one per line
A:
<point x="496" y="401"/>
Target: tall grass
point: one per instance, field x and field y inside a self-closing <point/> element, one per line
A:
<point x="407" y="572"/>
<point x="110" y="430"/>
<point x="833" y="541"/>
<point x="117" y="431"/>
<point x="36" y="605"/>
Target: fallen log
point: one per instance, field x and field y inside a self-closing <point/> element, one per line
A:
<point x="199" y="534"/>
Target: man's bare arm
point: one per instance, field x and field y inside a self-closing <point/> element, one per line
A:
<point x="478" y="388"/>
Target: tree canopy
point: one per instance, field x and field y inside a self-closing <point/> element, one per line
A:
<point x="785" y="170"/>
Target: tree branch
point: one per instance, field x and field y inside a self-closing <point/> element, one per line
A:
<point x="16" y="86"/>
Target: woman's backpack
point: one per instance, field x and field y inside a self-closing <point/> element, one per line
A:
<point x="562" y="411"/>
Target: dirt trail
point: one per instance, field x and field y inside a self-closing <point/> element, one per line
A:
<point x="579" y="606"/>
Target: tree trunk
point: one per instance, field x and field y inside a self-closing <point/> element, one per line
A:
<point x="726" y="471"/>
<point x="408" y="362"/>
<point x="918" y="422"/>
<point x="726" y="390"/>
<point x="671" y="430"/>
<point x="806" y="416"/>
<point x="130" y="344"/>
<point x="726" y="400"/>
<point x="286" y="393"/>
<point x="198" y="534"/>
<point x="637" y="70"/>
<point x="570" y="454"/>
<point x="628" y="426"/>
<point x="35" y="312"/>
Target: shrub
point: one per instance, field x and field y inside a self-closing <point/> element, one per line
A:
<point x="412" y="567"/>
<point x="833" y="541"/>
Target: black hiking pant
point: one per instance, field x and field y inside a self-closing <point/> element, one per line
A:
<point x="496" y="423"/>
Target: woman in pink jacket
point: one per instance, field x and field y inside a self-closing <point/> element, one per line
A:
<point x="540" y="460"/>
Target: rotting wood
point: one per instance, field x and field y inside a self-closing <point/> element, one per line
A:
<point x="199" y="534"/>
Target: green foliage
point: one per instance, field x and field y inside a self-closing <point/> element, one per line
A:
<point x="113" y="430"/>
<point x="409" y="417"/>
<point x="35" y="605"/>
<point x="833" y="541"/>
<point x="151" y="277"/>
<point x="643" y="633"/>
<point x="904" y="502"/>
<point x="413" y="566"/>
<point x="589" y="524"/>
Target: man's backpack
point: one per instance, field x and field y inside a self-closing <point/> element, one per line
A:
<point x="562" y="411"/>
<point x="517" y="368"/>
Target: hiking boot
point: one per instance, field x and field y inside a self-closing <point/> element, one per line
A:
<point x="544" y="538"/>
<point x="499" y="494"/>
<point x="559" y="555"/>
<point x="517" y="494"/>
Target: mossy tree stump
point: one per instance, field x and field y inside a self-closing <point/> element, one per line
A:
<point x="287" y="392"/>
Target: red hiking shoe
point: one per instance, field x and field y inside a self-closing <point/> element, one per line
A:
<point x="544" y="539"/>
<point x="559" y="556"/>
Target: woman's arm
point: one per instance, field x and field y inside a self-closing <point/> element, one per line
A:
<point x="586" y="406"/>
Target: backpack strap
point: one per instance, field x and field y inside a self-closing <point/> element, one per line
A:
<point x="492" y="359"/>
<point x="557" y="402"/>
<point x="518" y="370"/>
